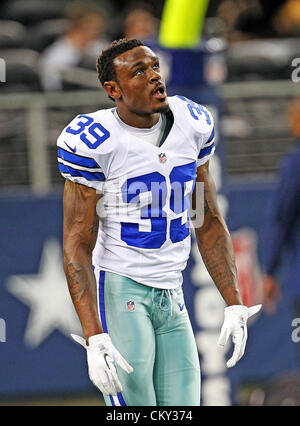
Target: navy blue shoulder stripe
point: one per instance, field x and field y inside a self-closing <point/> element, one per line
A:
<point x="81" y="173"/>
<point x="212" y="135"/>
<point x="77" y="159"/>
<point x="206" y="151"/>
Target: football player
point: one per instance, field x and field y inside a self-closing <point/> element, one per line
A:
<point x="130" y="171"/>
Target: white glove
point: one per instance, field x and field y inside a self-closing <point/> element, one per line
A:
<point x="235" y="324"/>
<point x="101" y="356"/>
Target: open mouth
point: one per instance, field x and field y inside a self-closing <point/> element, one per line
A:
<point x="159" y="93"/>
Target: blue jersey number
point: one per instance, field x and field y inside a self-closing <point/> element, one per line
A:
<point x="182" y="180"/>
<point x="195" y="109"/>
<point x="180" y="177"/>
<point x="98" y="133"/>
<point x="132" y="192"/>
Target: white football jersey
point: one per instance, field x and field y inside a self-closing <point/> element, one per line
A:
<point x="144" y="211"/>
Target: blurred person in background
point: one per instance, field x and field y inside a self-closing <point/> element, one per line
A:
<point x="140" y="22"/>
<point x="84" y="36"/>
<point x="287" y="19"/>
<point x="250" y="19"/>
<point x="284" y="232"/>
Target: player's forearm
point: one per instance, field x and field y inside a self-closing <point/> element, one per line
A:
<point x="79" y="238"/>
<point x="217" y="252"/>
<point x="82" y="287"/>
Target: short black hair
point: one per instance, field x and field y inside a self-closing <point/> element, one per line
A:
<point x="105" y="62"/>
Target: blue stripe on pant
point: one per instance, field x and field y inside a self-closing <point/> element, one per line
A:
<point x="159" y="346"/>
<point x="103" y="321"/>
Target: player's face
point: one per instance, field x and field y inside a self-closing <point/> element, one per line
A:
<point x="142" y="88"/>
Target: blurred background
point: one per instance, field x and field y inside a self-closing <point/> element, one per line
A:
<point x="239" y="58"/>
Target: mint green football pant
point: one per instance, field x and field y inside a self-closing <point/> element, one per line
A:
<point x="151" y="329"/>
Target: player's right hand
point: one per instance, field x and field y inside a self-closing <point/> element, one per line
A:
<point x="101" y="356"/>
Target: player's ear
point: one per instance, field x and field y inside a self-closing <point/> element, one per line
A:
<point x="112" y="89"/>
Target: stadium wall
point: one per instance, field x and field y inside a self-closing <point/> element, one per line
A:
<point x="37" y="355"/>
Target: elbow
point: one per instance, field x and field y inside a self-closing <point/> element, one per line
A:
<point x="213" y="225"/>
<point x="70" y="261"/>
<point x="71" y="267"/>
<point x="75" y="256"/>
<point x="68" y="254"/>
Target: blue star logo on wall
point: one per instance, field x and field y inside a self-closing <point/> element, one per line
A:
<point x="46" y="294"/>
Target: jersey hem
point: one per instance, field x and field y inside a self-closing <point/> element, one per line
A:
<point x="134" y="279"/>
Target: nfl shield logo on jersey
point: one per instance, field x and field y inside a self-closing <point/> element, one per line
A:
<point x="130" y="305"/>
<point x="162" y="157"/>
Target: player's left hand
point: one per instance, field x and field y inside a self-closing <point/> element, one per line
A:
<point x="235" y="324"/>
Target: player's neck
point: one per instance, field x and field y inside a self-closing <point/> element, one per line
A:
<point x="143" y="121"/>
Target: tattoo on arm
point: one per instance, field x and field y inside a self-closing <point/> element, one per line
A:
<point x="77" y="277"/>
<point x="94" y="227"/>
<point x="81" y="225"/>
<point x="215" y="244"/>
<point x="219" y="261"/>
<point x="80" y="209"/>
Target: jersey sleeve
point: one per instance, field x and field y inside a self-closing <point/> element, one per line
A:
<point x="207" y="149"/>
<point x="199" y="123"/>
<point x="76" y="160"/>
